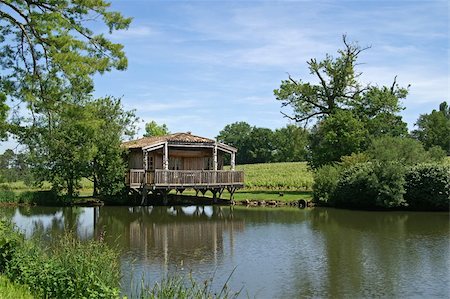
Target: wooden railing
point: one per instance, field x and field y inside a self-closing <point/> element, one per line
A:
<point x="188" y="178"/>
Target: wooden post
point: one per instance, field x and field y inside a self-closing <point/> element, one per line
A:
<point x="215" y="156"/>
<point x="233" y="160"/>
<point x="145" y="162"/>
<point x="166" y="156"/>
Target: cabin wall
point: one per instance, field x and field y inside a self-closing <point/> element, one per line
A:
<point x="135" y="159"/>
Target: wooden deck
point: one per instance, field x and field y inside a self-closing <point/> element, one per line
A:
<point x="174" y="179"/>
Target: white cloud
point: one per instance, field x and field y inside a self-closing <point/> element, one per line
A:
<point x="134" y="32"/>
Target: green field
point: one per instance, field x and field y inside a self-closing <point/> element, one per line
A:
<point x="277" y="176"/>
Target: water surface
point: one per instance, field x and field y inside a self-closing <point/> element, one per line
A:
<point x="274" y="253"/>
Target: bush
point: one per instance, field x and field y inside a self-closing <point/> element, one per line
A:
<point x="7" y="195"/>
<point x="370" y="186"/>
<point x="325" y="182"/>
<point x="9" y="241"/>
<point x="428" y="187"/>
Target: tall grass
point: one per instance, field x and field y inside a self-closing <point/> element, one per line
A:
<point x="10" y="290"/>
<point x="68" y="268"/>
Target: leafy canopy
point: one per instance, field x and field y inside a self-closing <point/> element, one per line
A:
<point x="434" y="129"/>
<point x="338" y="88"/>
<point x="153" y="129"/>
<point x="49" y="46"/>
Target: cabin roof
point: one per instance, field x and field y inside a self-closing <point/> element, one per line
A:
<point x="176" y="138"/>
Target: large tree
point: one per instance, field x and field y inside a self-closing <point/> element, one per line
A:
<point x="49" y="47"/>
<point x="85" y="142"/>
<point x="339" y="94"/>
<point x="434" y="129"/>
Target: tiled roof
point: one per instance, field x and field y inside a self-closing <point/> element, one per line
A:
<point x="171" y="138"/>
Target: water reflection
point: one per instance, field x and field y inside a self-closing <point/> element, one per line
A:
<point x="277" y="253"/>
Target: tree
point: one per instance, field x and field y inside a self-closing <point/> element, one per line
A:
<point x="290" y="144"/>
<point x="339" y="95"/>
<point x="153" y="129"/>
<point x="62" y="156"/>
<point x="108" y="166"/>
<point x="338" y="89"/>
<point x="48" y="48"/>
<point x="338" y="135"/>
<point x="85" y="142"/>
<point x="238" y="135"/>
<point x="260" y="146"/>
<point x="434" y="128"/>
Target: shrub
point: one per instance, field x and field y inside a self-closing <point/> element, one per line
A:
<point x="7" y="195"/>
<point x="325" y="182"/>
<point x="428" y="187"/>
<point x="370" y="185"/>
<point x="405" y="151"/>
<point x="9" y="241"/>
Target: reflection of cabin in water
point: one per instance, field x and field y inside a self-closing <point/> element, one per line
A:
<point x="180" y="161"/>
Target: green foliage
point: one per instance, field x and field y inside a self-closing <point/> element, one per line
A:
<point x="153" y="129"/>
<point x="84" y="142"/>
<point x="338" y="88"/>
<point x="347" y="114"/>
<point x="3" y="116"/>
<point x="428" y="187"/>
<point x="9" y="241"/>
<point x="48" y="45"/>
<point x="290" y="144"/>
<point x="14" y="167"/>
<point x="326" y="179"/>
<point x="405" y="151"/>
<point x="370" y="186"/>
<point x="434" y="128"/>
<point x="68" y="269"/>
<point x="353" y="159"/>
<point x="108" y="166"/>
<point x="338" y="135"/>
<point x="262" y="145"/>
<point x="238" y="135"/>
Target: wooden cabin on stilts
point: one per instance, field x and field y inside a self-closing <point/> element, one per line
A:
<point x="180" y="161"/>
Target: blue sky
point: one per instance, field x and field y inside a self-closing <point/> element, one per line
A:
<point x="199" y="65"/>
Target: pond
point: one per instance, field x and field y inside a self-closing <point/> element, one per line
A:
<point x="269" y="253"/>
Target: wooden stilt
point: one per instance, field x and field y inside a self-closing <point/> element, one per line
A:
<point x="165" y="197"/>
<point x="144" y="195"/>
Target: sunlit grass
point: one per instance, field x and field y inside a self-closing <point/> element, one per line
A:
<point x="10" y="290"/>
<point x="277" y="176"/>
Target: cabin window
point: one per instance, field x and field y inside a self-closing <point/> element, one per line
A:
<point x="151" y="163"/>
